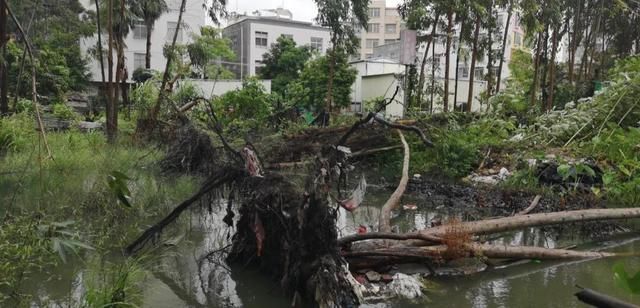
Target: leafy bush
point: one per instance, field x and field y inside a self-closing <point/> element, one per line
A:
<point x="144" y="96"/>
<point x="16" y="132"/>
<point x="64" y="112"/>
<point x="249" y="106"/>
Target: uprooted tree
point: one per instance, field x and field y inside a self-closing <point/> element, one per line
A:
<point x="289" y="230"/>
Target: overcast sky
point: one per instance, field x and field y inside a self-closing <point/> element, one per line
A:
<point x="304" y="10"/>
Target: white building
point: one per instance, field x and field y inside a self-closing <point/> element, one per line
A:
<point x="193" y="19"/>
<point x="252" y="36"/>
<point x="383" y="28"/>
<point x="515" y="40"/>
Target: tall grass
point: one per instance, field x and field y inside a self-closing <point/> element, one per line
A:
<point x="72" y="187"/>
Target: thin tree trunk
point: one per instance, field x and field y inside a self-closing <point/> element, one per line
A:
<point x="100" y="51"/>
<point x="574" y="43"/>
<point x="536" y="69"/>
<point x="332" y="72"/>
<point x="552" y="69"/>
<point x="583" y="62"/>
<point x="147" y="57"/>
<point x="111" y="128"/>
<point x="165" y="76"/>
<point x="455" y="91"/>
<point x="422" y="78"/>
<point x="504" y="45"/>
<point x="4" y="82"/>
<point x="394" y="199"/>
<point x="490" y="77"/>
<point x="445" y="99"/>
<point x="545" y="70"/>
<point x="433" y="75"/>
<point x="474" y="55"/>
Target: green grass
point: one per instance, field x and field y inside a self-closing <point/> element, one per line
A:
<point x="37" y="192"/>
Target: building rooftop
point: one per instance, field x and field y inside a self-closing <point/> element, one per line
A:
<point x="275" y="20"/>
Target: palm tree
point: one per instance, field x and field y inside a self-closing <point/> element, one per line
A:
<point x="149" y="11"/>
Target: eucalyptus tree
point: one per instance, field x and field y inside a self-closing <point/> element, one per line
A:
<point x="462" y="17"/>
<point x="478" y="13"/>
<point x="149" y="11"/>
<point x="343" y="18"/>
<point x="422" y="15"/>
<point x="509" y="4"/>
<point x="450" y="8"/>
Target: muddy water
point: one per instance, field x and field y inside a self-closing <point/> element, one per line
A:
<point x="188" y="280"/>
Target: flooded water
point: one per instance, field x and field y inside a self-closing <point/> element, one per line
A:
<point x="535" y="284"/>
<point x="192" y="276"/>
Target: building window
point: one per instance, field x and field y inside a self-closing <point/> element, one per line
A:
<point x="389" y="41"/>
<point x="373" y="28"/>
<point x="493" y="71"/>
<point x="316" y="43"/>
<point x="390" y="28"/>
<point x="171" y="30"/>
<point x="261" y="39"/>
<point x="391" y="12"/>
<point x="259" y="67"/>
<point x="140" y="30"/>
<point x="372" y="43"/>
<point x="478" y="73"/>
<point x="374" y="12"/>
<point x="139" y="60"/>
<point x="517" y="39"/>
<point x="463" y="72"/>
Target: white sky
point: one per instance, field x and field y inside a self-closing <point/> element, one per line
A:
<point x="303" y="10"/>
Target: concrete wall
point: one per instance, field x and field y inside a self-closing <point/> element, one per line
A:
<point x="384" y="86"/>
<point x="193" y="19"/>
<point x="209" y="87"/>
<point x="369" y="68"/>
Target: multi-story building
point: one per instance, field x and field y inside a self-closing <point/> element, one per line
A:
<point x="391" y="53"/>
<point x="383" y="28"/>
<point x="136" y="42"/>
<point x="252" y="36"/>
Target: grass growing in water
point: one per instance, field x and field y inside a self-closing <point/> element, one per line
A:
<point x="64" y="206"/>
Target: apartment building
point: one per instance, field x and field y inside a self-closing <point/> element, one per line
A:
<point x="252" y="36"/>
<point x="193" y="19"/>
<point x="383" y="28"/>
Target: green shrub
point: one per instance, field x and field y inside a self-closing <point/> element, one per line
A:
<point x="64" y="112"/>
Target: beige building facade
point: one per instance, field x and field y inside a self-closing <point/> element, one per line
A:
<point x="383" y="28"/>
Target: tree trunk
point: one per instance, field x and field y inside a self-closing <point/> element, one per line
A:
<point x="474" y="55"/>
<point x="4" y="82"/>
<point x="445" y="99"/>
<point x="111" y="128"/>
<point x="147" y="56"/>
<point x="504" y="45"/>
<point x="424" y="58"/>
<point x="552" y="69"/>
<point x="394" y="199"/>
<point x="100" y="50"/>
<point x="497" y="225"/>
<point x="469" y="250"/>
<point x="536" y="69"/>
<point x="455" y="91"/>
<point x="490" y="77"/>
<point x="433" y="75"/>
<point x="332" y="72"/>
<point x="165" y="76"/>
<point x="574" y="43"/>
<point x="545" y="70"/>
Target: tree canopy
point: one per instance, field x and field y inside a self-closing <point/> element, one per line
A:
<point x="283" y="63"/>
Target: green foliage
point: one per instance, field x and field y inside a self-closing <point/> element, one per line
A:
<point x="283" y="63"/>
<point x="143" y="96"/>
<point x="207" y="47"/>
<point x="16" y="132"/>
<point x="310" y="90"/>
<point x="249" y="106"/>
<point x="24" y="105"/>
<point x="521" y="68"/>
<point x="64" y="112"/>
<point x="63" y="239"/>
<point x="622" y="278"/>
<point x="117" y="182"/>
<point x="343" y="17"/>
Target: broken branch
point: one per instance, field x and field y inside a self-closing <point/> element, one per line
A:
<point x="394" y="200"/>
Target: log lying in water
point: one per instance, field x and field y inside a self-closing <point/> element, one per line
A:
<point x="440" y="252"/>
<point x="498" y="225"/>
